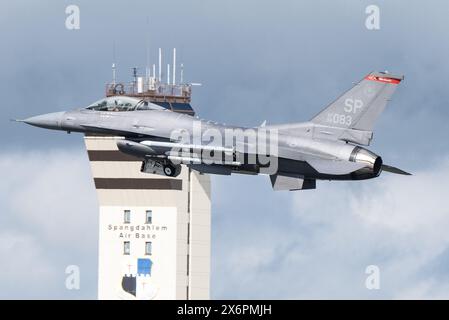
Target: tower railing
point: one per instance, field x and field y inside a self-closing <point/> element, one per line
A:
<point x="151" y="90"/>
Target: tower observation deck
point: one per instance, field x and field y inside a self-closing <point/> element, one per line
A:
<point x="168" y="94"/>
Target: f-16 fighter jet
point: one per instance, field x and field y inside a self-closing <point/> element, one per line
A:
<point x="327" y="147"/>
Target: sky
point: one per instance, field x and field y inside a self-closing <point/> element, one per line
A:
<point x="278" y="61"/>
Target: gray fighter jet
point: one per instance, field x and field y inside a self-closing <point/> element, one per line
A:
<point x="294" y="155"/>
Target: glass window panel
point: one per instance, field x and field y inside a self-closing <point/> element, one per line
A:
<point x="148" y="248"/>
<point x="126" y="247"/>
<point x="127" y="216"/>
<point x="149" y="216"/>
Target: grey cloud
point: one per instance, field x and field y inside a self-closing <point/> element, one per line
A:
<point x="257" y="60"/>
<point x="329" y="236"/>
<point x="49" y="220"/>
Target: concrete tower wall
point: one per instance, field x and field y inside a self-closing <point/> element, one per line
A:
<point x="154" y="237"/>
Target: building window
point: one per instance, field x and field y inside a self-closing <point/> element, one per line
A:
<point x="148" y="248"/>
<point x="126" y="248"/>
<point x="149" y="216"/>
<point x="127" y="216"/>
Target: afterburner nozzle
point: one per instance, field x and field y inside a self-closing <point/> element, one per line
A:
<point x="368" y="158"/>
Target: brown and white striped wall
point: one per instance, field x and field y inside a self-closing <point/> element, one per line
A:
<point x="176" y="242"/>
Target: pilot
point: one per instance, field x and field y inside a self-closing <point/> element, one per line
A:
<point x="116" y="106"/>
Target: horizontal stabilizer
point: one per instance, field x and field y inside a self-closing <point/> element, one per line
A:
<point x="335" y="166"/>
<point x="394" y="170"/>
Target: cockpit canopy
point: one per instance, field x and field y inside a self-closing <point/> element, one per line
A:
<point x="122" y="103"/>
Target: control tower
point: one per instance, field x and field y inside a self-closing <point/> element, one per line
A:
<point x="154" y="231"/>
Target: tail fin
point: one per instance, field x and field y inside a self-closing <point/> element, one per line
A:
<point x="359" y="107"/>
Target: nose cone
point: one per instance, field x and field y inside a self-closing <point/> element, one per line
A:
<point x="47" y="121"/>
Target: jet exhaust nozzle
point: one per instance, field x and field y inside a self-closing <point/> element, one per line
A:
<point x="372" y="161"/>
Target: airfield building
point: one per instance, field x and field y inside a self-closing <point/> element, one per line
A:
<point x="154" y="231"/>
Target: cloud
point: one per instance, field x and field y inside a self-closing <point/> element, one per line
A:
<point x="24" y="266"/>
<point x="48" y="221"/>
<point x="330" y="235"/>
<point x="310" y="244"/>
<point x="266" y="244"/>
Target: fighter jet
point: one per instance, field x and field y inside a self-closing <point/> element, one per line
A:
<point x="330" y="146"/>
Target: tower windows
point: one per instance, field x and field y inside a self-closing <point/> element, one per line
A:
<point x="149" y="216"/>
<point x="148" y="248"/>
<point x="126" y="248"/>
<point x="127" y="216"/>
